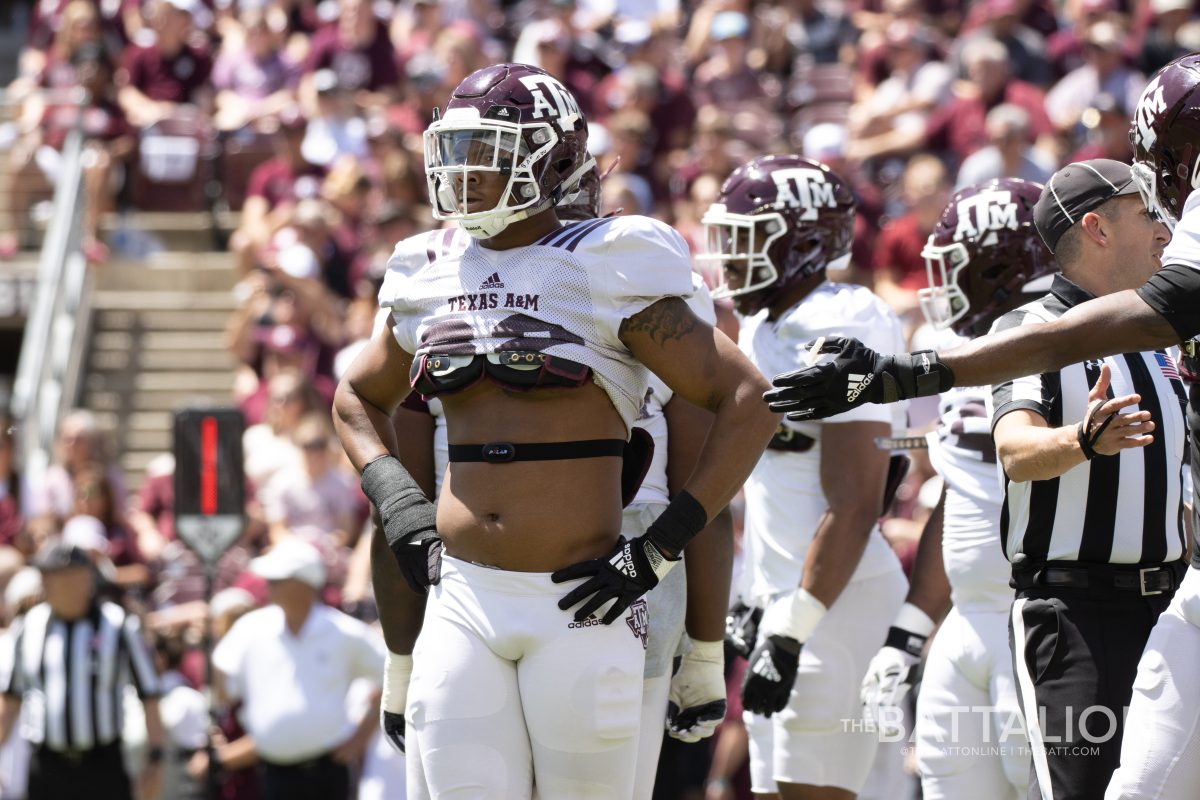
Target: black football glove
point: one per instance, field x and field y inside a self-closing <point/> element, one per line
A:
<point x="393" y="729"/>
<point x="409" y="521"/>
<point x="856" y="375"/>
<point x="633" y="568"/>
<point x="741" y="628"/>
<point x="771" y="675"/>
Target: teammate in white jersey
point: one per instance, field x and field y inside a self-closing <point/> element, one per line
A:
<point x="538" y="339"/>
<point x="970" y="740"/>
<point x="815" y="562"/>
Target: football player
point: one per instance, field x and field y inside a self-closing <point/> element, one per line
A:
<point x="538" y="339"/>
<point x="815" y="562"/>
<point x="982" y="252"/>
<point x="1161" y="762"/>
<point x="695" y="695"/>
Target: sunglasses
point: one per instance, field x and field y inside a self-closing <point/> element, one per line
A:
<point x="315" y="444"/>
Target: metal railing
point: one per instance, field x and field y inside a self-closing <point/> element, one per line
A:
<point x="48" y="370"/>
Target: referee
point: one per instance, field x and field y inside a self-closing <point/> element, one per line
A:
<point x="79" y="653"/>
<point x="1093" y="516"/>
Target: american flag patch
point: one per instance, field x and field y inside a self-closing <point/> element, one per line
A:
<point x="1169" y="371"/>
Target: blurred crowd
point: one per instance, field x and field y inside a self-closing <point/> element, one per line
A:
<point x="305" y="116"/>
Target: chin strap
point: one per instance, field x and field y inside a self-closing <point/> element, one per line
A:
<point x="493" y="225"/>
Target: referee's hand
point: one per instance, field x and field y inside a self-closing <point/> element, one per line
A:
<point x="1114" y="431"/>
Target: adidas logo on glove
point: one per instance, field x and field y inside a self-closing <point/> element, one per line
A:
<point x="856" y="384"/>
<point x="623" y="561"/>
<point x="765" y="668"/>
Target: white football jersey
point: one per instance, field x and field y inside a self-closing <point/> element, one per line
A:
<point x="784" y="499"/>
<point x="654" y="488"/>
<point x="418" y="251"/>
<point x="566" y="294"/>
<point x="1184" y="247"/>
<point x="963" y="453"/>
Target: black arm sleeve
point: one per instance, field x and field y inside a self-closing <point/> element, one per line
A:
<point x="1174" y="292"/>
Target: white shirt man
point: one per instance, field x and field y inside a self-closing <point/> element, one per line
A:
<point x="291" y="663"/>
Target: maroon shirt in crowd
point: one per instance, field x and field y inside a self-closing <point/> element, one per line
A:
<point x="958" y="126"/>
<point x="372" y="67"/>
<point x="10" y="520"/>
<point x="172" y="80"/>
<point x="59" y="73"/>
<point x="278" y="182"/>
<point x="102" y="121"/>
<point x="1039" y="16"/>
<point x="898" y="248"/>
<point x="47" y="19"/>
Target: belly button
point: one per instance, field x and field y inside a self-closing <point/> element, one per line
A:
<point x="492" y="517"/>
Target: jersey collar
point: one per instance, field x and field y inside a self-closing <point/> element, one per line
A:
<point x="1071" y="294"/>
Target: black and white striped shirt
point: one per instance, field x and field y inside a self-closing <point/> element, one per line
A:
<point x="1121" y="509"/>
<point x="79" y="670"/>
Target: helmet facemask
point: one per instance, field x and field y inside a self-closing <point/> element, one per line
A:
<point x="943" y="303"/>
<point x="743" y="239"/>
<point x="1147" y="185"/>
<point x="462" y="143"/>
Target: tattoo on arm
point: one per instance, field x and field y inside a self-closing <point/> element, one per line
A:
<point x="664" y="321"/>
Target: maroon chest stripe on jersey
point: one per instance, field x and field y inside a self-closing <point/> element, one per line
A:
<point x="563" y="232"/>
<point x="586" y="228"/>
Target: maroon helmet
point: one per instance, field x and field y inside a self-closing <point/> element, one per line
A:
<point x="581" y="192"/>
<point x="785" y="218"/>
<point x="982" y="251"/>
<point x="1166" y="138"/>
<point x="512" y="119"/>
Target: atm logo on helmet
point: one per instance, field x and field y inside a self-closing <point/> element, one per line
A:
<point x="803" y="188"/>
<point x="551" y="98"/>
<point x="985" y="212"/>
<point x="1149" y="108"/>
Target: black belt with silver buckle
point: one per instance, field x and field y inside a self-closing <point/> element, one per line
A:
<point x="77" y="757"/>
<point x="504" y="452"/>
<point x="1144" y="581"/>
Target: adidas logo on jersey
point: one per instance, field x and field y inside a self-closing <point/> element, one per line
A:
<point x="493" y="282"/>
<point x="856" y="384"/>
<point x="765" y="668"/>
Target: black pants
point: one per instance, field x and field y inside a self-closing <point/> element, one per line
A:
<point x="98" y="773"/>
<point x="1079" y="654"/>
<point x="320" y="778"/>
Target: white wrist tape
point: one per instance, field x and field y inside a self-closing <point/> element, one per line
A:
<point x="710" y="652"/>
<point x="397" y="671"/>
<point x="914" y="620"/>
<point x="794" y="614"/>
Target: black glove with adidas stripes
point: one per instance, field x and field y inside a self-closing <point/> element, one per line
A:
<point x="856" y="375"/>
<point x="633" y="567"/>
<point x="771" y="674"/>
<point x="787" y="622"/>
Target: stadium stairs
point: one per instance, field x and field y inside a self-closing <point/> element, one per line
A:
<point x="157" y="338"/>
